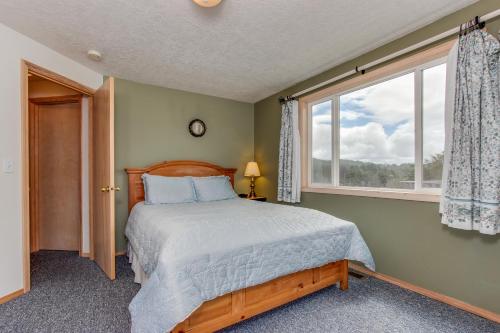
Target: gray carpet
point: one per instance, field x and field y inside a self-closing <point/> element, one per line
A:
<point x="70" y="294"/>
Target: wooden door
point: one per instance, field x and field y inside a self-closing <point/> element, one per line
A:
<point x="55" y="173"/>
<point x="103" y="195"/>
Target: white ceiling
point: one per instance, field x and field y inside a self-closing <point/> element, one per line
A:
<point x="244" y="50"/>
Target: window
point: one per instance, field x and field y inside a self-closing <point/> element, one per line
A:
<point x="384" y="135"/>
<point x="377" y="141"/>
<point x="322" y="142"/>
<point x="434" y="83"/>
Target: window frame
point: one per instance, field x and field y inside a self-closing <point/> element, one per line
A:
<point x="416" y="64"/>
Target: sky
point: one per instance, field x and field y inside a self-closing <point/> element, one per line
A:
<point x="377" y="122"/>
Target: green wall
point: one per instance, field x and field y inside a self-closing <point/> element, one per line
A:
<point x="406" y="237"/>
<point x="151" y="126"/>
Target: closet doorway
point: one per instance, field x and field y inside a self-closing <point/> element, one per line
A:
<point x="67" y="168"/>
<point x="57" y="212"/>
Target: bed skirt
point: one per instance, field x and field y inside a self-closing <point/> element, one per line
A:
<point x="140" y="275"/>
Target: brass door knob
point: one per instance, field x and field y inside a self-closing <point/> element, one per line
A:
<point x="108" y="188"/>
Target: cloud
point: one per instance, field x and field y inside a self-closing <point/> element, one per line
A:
<point x="350" y="115"/>
<point x="322" y="108"/>
<point x="402" y="144"/>
<point x="389" y="102"/>
<point x="322" y="119"/>
<point x="370" y="143"/>
<point x="322" y="137"/>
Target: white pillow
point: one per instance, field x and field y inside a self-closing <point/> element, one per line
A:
<point x="167" y="190"/>
<point x="213" y="188"/>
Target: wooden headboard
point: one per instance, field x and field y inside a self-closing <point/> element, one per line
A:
<point x="171" y="169"/>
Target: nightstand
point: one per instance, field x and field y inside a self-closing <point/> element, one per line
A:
<point x="244" y="196"/>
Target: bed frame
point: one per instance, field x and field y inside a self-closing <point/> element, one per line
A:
<point x="239" y="305"/>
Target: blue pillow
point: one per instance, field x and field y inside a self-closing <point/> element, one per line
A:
<point x="167" y="190"/>
<point x="213" y="188"/>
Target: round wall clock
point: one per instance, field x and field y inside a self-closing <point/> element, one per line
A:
<point x="197" y="128"/>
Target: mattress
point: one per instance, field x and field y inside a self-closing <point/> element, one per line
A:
<point x="195" y="252"/>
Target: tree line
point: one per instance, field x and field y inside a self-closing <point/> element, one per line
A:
<point x="368" y="174"/>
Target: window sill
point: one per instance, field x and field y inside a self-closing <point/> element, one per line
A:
<point x="426" y="196"/>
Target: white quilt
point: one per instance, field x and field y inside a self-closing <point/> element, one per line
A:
<point x="194" y="252"/>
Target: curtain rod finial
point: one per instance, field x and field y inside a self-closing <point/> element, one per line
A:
<point x="285" y="99"/>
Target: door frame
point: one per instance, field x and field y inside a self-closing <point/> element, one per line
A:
<point x="34" y="104"/>
<point x="27" y="69"/>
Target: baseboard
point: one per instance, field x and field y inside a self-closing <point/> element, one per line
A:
<point x="431" y="294"/>
<point x="11" y="296"/>
<point x="117" y="253"/>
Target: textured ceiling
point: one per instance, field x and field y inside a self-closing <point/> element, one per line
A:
<point x="243" y="49"/>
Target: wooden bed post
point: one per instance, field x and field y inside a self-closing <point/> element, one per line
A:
<point x="344" y="280"/>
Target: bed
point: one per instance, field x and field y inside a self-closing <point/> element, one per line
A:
<point x="207" y="265"/>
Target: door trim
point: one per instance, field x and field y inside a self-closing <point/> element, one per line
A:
<point x="59" y="79"/>
<point x="28" y="68"/>
<point x="57" y="99"/>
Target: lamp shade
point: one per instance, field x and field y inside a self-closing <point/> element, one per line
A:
<point x="252" y="170"/>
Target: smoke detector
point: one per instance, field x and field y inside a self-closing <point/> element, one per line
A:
<point x="94" y="55"/>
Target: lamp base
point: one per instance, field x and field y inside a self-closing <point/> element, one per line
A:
<point x="252" y="189"/>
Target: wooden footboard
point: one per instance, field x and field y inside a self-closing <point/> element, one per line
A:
<point x="245" y="303"/>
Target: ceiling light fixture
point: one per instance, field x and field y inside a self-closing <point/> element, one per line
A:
<point x="94" y="55"/>
<point x="207" y="3"/>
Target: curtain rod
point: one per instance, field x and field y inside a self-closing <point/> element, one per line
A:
<point x="362" y="69"/>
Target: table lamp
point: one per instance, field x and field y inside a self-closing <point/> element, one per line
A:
<point x="252" y="170"/>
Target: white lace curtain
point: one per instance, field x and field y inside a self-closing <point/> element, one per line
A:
<point x="289" y="155"/>
<point x="471" y="172"/>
